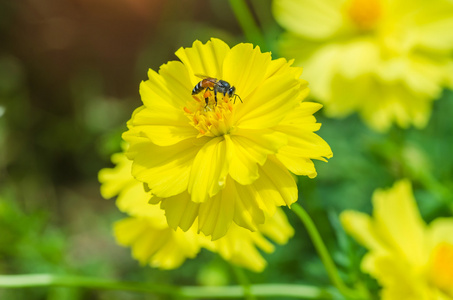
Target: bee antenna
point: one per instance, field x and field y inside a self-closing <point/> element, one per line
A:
<point x="236" y="95"/>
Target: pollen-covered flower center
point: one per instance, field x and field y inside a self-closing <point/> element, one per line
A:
<point x="441" y="271"/>
<point x="365" y="14"/>
<point x="208" y="117"/>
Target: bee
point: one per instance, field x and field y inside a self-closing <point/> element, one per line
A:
<point x="216" y="85"/>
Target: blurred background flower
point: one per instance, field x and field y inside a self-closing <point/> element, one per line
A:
<point x="408" y="258"/>
<point x="386" y="60"/>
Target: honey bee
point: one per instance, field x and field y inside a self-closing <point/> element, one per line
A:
<point x="216" y="85"/>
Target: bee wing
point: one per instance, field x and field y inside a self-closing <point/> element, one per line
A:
<point x="202" y="76"/>
<point x="208" y="78"/>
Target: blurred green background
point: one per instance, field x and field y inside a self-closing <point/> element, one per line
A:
<point x="69" y="77"/>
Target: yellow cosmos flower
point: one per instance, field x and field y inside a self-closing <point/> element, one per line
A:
<point x="217" y="157"/>
<point x="409" y="259"/>
<point x="386" y="60"/>
<point x="153" y="242"/>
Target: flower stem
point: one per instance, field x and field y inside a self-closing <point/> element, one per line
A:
<point x="245" y="18"/>
<point x="35" y="280"/>
<point x="244" y="281"/>
<point x="221" y="292"/>
<point x="326" y="259"/>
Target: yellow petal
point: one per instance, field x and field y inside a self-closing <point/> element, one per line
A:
<point x="441" y="230"/>
<point x="394" y="103"/>
<point x="248" y="205"/>
<point x="310" y="18"/>
<point x="296" y="164"/>
<point x="307" y="144"/>
<point x="209" y="170"/>
<point x="164" y="127"/>
<point x="245" y="67"/>
<point x="172" y="86"/>
<point x="180" y="211"/>
<point x="300" y="114"/>
<point x="204" y="59"/>
<point x="440" y="243"/>
<point x="277" y="228"/>
<point x="216" y="214"/>
<point x="243" y="166"/>
<point x="239" y="246"/>
<point x="274" y="187"/>
<point x="280" y="66"/>
<point x="432" y="25"/>
<point x="301" y="118"/>
<point x="398" y="220"/>
<point x="134" y="201"/>
<point x="247" y="213"/>
<point x="276" y="183"/>
<point x="269" y="104"/>
<point x="247" y="148"/>
<point x="164" y="96"/>
<point x="420" y="74"/>
<point x="365" y="54"/>
<point x="166" y="170"/>
<point x="251" y="200"/>
<point x="315" y="70"/>
<point x="399" y="279"/>
<point x="113" y="181"/>
<point x="165" y="248"/>
<point x="361" y="228"/>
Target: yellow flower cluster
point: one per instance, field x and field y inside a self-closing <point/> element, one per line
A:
<point x="153" y="242"/>
<point x="386" y="60"/>
<point x="409" y="259"/>
<point x="211" y="152"/>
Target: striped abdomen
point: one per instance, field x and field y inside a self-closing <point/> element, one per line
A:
<point x="198" y="88"/>
<point x="204" y="84"/>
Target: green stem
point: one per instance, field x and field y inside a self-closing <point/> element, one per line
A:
<point x="221" y="292"/>
<point x="245" y="18"/>
<point x="244" y="281"/>
<point x="36" y="280"/>
<point x="324" y="254"/>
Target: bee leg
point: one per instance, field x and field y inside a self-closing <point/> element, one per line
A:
<point x="206" y="99"/>
<point x="215" y="95"/>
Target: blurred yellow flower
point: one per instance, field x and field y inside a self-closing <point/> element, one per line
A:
<point x="411" y="260"/>
<point x="153" y="242"/>
<point x="386" y="60"/>
<point x="219" y="157"/>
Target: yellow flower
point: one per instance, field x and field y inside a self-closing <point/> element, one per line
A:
<point x="153" y="242"/>
<point x="386" y="60"/>
<point x="223" y="158"/>
<point x="410" y="259"/>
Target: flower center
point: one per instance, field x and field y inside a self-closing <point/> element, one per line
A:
<point x="365" y="14"/>
<point x="441" y="271"/>
<point x="211" y="119"/>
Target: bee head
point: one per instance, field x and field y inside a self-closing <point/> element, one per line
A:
<point x="231" y="91"/>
